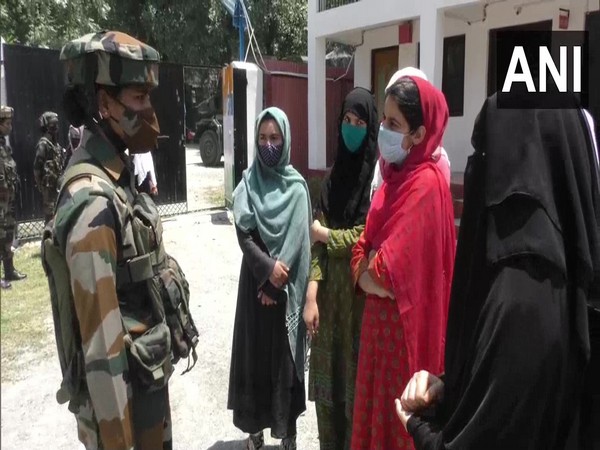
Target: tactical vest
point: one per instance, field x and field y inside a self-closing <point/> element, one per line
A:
<point x="10" y="179"/>
<point x="53" y="164"/>
<point x="145" y="275"/>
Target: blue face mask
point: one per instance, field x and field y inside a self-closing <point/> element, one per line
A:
<point x="353" y="136"/>
<point x="390" y="146"/>
<point x="270" y="154"/>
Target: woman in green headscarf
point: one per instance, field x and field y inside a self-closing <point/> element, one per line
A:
<point x="272" y="214"/>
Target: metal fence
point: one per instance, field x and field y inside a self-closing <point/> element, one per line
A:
<point x="330" y="4"/>
<point x="34" y="84"/>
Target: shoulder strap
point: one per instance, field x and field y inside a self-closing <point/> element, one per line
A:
<point x="46" y="141"/>
<point x="85" y="168"/>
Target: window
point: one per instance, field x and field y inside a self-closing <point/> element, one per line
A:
<point x="453" y="75"/>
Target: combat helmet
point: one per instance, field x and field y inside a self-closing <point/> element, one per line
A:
<point x="47" y="119"/>
<point x="107" y="58"/>
<point x="110" y="58"/>
<point x="6" y="112"/>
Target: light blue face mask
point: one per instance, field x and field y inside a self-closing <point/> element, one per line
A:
<point x="390" y="146"/>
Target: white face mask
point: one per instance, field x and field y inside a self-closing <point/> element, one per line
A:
<point x="390" y="146"/>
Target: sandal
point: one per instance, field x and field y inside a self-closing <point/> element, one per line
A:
<point x="255" y="441"/>
<point x="288" y="443"/>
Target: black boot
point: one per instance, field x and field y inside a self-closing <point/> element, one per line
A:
<point x="4" y="284"/>
<point x="10" y="273"/>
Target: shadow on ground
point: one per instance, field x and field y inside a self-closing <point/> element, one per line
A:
<point x="236" y="445"/>
<point x="201" y="164"/>
<point x="220" y="218"/>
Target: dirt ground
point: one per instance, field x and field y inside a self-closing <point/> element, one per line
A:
<point x="204" y="184"/>
<point x="205" y="245"/>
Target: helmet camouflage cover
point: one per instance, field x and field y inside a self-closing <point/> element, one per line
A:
<point x="47" y="118"/>
<point x="6" y="112"/>
<point x="121" y="59"/>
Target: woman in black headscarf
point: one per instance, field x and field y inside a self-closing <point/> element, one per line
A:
<point x="527" y="266"/>
<point x="336" y="311"/>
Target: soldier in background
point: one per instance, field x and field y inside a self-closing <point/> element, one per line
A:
<point x="8" y="187"/>
<point x="48" y="163"/>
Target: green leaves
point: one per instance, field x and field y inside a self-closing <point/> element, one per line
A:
<point x="49" y="23"/>
<point x="198" y="33"/>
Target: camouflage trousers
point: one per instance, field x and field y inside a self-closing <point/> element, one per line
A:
<point x="49" y="197"/>
<point x="150" y="416"/>
<point x="7" y="230"/>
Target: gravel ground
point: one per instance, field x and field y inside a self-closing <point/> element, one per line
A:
<point x="206" y="247"/>
<point x="205" y="184"/>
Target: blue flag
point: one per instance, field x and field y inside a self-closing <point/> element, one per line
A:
<point x="229" y="5"/>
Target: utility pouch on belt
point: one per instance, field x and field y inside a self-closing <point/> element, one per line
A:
<point x="149" y="357"/>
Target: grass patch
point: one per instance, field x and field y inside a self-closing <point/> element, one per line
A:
<point x="25" y="315"/>
<point x="215" y="196"/>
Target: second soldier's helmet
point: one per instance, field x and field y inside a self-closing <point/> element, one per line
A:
<point x="47" y="120"/>
<point x="6" y="112"/>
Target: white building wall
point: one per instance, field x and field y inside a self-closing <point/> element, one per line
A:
<point x="378" y="38"/>
<point x="457" y="139"/>
<point x="363" y="14"/>
<point x="380" y="20"/>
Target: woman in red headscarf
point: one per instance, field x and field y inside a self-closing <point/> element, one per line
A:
<point x="403" y="261"/>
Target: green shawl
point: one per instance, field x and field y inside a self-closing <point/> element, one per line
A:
<point x="275" y="201"/>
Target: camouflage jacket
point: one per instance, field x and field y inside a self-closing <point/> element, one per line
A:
<point x="93" y="234"/>
<point x="48" y="164"/>
<point x="8" y="174"/>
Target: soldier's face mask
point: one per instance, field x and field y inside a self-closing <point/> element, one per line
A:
<point x="139" y="128"/>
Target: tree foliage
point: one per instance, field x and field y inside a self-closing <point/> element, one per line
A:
<point x="199" y="32"/>
<point x="49" y="23"/>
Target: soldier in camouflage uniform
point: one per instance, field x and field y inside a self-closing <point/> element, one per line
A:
<point x="8" y="187"/>
<point x="110" y="76"/>
<point x="48" y="163"/>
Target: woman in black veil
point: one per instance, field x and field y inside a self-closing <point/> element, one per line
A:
<point x="526" y="278"/>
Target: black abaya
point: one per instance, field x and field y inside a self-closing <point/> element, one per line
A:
<point x="527" y="264"/>
<point x="264" y="389"/>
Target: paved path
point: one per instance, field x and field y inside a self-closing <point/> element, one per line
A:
<point x="206" y="247"/>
